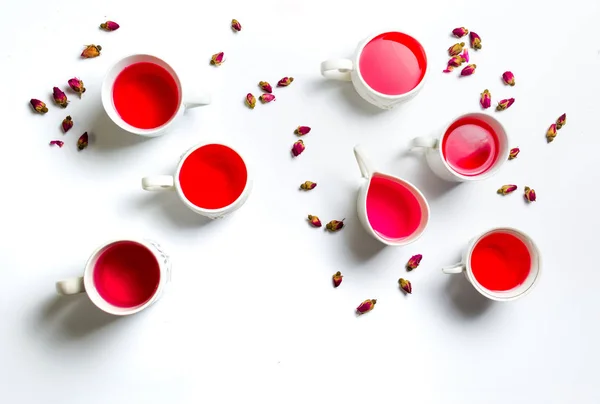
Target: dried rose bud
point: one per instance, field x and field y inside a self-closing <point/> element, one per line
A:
<point x="514" y="152"/>
<point x="366" y="306"/>
<point x="77" y="86"/>
<point x="58" y="143"/>
<point x="82" y="142"/>
<point x="456" y="61"/>
<point x="405" y="285"/>
<point x="486" y="99"/>
<point x="59" y="97"/>
<point x="308" y="185"/>
<point x="266" y="87"/>
<point x="91" y="51"/>
<point x="266" y="98"/>
<point x="67" y="123"/>
<point x="302" y="130"/>
<point x="335" y="225"/>
<point x="507" y="189"/>
<point x="561" y="121"/>
<point x="250" y="100"/>
<point x="414" y="262"/>
<point x="337" y="279"/>
<point x="314" y="221"/>
<point x="217" y="59"/>
<point x="465" y="55"/>
<point x="551" y="134"/>
<point x="475" y="40"/>
<point x="448" y="69"/>
<point x="530" y="195"/>
<point x="505" y="104"/>
<point x="460" y="32"/>
<point x="284" y="82"/>
<point x="468" y="70"/>
<point x="508" y="78"/>
<point x="38" y="106"/>
<point x="456" y="49"/>
<point x="109" y="26"/>
<point x="235" y="25"/>
<point x="298" y="148"/>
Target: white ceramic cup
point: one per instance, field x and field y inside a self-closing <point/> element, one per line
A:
<point x="534" y="274"/>
<point x="349" y="70"/>
<point x="187" y="98"/>
<point x="85" y="284"/>
<point x="367" y="171"/>
<point x="437" y="161"/>
<point x="172" y="183"/>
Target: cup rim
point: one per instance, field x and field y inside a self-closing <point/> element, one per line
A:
<point x="408" y="94"/>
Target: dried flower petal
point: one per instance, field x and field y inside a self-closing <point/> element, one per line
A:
<point x="82" y="142"/>
<point x="302" y="130"/>
<point x="456" y="49"/>
<point x="507" y="189"/>
<point x="508" y="78"/>
<point x="475" y="40"/>
<point x="486" y="99"/>
<point x="58" y="143"/>
<point x="337" y="279"/>
<point x="109" y="26"/>
<point x="284" y="82"/>
<point x="448" y="69"/>
<point x="460" y="32"/>
<point x="266" y="98"/>
<point x="60" y="97"/>
<point x="314" y="221"/>
<point x="414" y="262"/>
<point x="551" y="134"/>
<point x="77" y="86"/>
<point x="561" y="121"/>
<point x="38" y="106"/>
<point x="530" y="195"/>
<point x="298" y="148"/>
<point x="250" y="100"/>
<point x="505" y="104"/>
<point x="514" y="152"/>
<point x="335" y="225"/>
<point x="366" y="306"/>
<point x="308" y="185"/>
<point x="456" y="61"/>
<point x="91" y="51"/>
<point x="405" y="285"/>
<point x="217" y="59"/>
<point x="468" y="70"/>
<point x="465" y="55"/>
<point x="266" y="87"/>
<point x="235" y="25"/>
<point x="67" y="123"/>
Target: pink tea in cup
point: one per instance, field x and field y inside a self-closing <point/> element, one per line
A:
<point x="393" y="63"/>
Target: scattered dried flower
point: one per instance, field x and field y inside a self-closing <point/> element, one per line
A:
<point x="508" y="78"/>
<point x="58" y="143"/>
<point x="551" y="134"/>
<point x="337" y="279"/>
<point x="109" y="26"/>
<point x="235" y="25"/>
<point x="468" y="70"/>
<point x="507" y="189"/>
<point x="266" y="98"/>
<point x="67" y="123"/>
<point x="217" y="59"/>
<point x="456" y="49"/>
<point x="250" y="100"/>
<point x="505" y="104"/>
<point x="448" y="69"/>
<point x="82" y="142"/>
<point x="561" y="121"/>
<point x="486" y="99"/>
<point x="456" y="61"/>
<point x="298" y="148"/>
<point x="366" y="306"/>
<point x="475" y="40"/>
<point x="266" y="87"/>
<point x="335" y="225"/>
<point x="308" y="185"/>
<point x="465" y="55"/>
<point x="60" y="97"/>
<point x="314" y="221"/>
<point x="414" y="262"/>
<point x="460" y="32"/>
<point x="530" y="195"/>
<point x="405" y="285"/>
<point x="77" y="86"/>
<point x="91" y="51"/>
<point x="38" y="106"/>
<point x="302" y="130"/>
<point x="284" y="82"/>
<point x="514" y="152"/>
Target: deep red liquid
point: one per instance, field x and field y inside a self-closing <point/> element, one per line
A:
<point x="470" y="146"/>
<point x="500" y="261"/>
<point x="213" y="176"/>
<point x="393" y="63"/>
<point x="145" y="95"/>
<point x="126" y="274"/>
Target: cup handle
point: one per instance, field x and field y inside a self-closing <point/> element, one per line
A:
<point x="423" y="142"/>
<point x="337" y="69"/>
<point x="196" y="100"/>
<point x="71" y="286"/>
<point x="158" y="183"/>
<point x="366" y="168"/>
<point x="454" y="269"/>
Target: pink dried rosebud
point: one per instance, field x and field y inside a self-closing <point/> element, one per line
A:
<point x="67" y="123"/>
<point x="414" y="262"/>
<point x="82" y="142"/>
<point x="314" y="221"/>
<point x="486" y="99"/>
<point x="284" y="82"/>
<point x="505" y="104"/>
<point x="109" y="26"/>
<point x="235" y="25"/>
<point x="448" y="69"/>
<point x="308" y="185"/>
<point x="456" y="61"/>
<point x="266" y="87"/>
<point x="298" y="148"/>
<point x="508" y="78"/>
<point x="456" y="49"/>
<point x="91" y="51"/>
<point x="507" y="189"/>
<point x="468" y="70"/>
<point x="561" y="121"/>
<point x="58" y="143"/>
<point x="59" y="97"/>
<point x="250" y="100"/>
<point x="335" y="225"/>
<point x="366" y="306"/>
<point x="514" y="152"/>
<point x="475" y="40"/>
<point x="77" y="86"/>
<point x="530" y="195"/>
<point x="38" y="106"/>
<point x="266" y="98"/>
<point x="302" y="130"/>
<point x="465" y="55"/>
<point x="551" y="134"/>
<point x="217" y="59"/>
<point x="405" y="285"/>
<point x="460" y="32"/>
<point x="337" y="279"/>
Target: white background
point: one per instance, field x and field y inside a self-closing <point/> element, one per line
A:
<point x="251" y="315"/>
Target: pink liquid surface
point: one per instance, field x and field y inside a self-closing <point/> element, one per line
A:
<point x="393" y="210"/>
<point x="393" y="63"/>
<point x="470" y="146"/>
